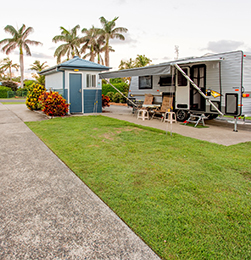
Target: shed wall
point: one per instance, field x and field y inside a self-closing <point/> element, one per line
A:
<point x="92" y="100"/>
<point x="54" y="81"/>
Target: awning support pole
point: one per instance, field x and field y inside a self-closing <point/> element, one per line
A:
<point x="196" y="87"/>
<point x="121" y="93"/>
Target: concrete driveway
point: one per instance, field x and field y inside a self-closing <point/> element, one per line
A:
<point x="46" y="211"/>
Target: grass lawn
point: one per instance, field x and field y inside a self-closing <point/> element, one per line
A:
<point x="13" y="103"/>
<point x="7" y="99"/>
<point x="186" y="198"/>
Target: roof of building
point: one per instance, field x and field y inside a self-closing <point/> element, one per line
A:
<point x="75" y="63"/>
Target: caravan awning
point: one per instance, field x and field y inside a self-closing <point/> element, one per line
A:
<point x="160" y="69"/>
<point x="144" y="71"/>
<point x="197" y="60"/>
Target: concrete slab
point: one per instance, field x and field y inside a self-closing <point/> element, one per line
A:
<point x="47" y="212"/>
<point x="216" y="131"/>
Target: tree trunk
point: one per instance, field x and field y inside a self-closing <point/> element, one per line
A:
<point x="107" y="55"/>
<point x="10" y="72"/>
<point x="22" y="67"/>
<point x="92" y="56"/>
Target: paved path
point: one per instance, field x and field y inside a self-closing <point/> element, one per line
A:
<point x="46" y="211"/>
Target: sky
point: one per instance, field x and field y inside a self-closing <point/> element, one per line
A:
<point x="154" y="27"/>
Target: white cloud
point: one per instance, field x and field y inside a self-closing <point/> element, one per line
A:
<point x="128" y="40"/>
<point x="223" y="45"/>
<point x="42" y="56"/>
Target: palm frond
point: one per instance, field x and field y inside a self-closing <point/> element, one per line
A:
<point x="21" y="29"/>
<point x="28" y="31"/>
<point x="59" y="38"/>
<point x="9" y="48"/>
<point x="27" y="49"/>
<point x="74" y="30"/>
<point x="103" y="20"/>
<point x="118" y="36"/>
<point x="5" y="41"/>
<point x="120" y="30"/>
<point x="10" y="29"/>
<point x="36" y="43"/>
<point x="64" y="31"/>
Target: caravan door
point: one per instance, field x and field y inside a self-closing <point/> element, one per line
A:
<point x="198" y="76"/>
<point x="182" y="93"/>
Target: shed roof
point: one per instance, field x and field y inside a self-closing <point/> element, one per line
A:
<point x="75" y="63"/>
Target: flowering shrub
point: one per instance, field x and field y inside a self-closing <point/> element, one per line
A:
<point x="34" y="92"/>
<point x="105" y="101"/>
<point x="53" y="104"/>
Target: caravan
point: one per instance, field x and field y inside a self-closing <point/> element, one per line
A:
<point x="218" y="84"/>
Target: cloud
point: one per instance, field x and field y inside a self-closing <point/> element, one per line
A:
<point x="162" y="59"/>
<point x="223" y="45"/>
<point x="40" y="55"/>
<point x="52" y="48"/>
<point x="128" y="40"/>
<point x="120" y="2"/>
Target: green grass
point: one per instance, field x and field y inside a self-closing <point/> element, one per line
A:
<point x="7" y="99"/>
<point x="187" y="199"/>
<point x="239" y="117"/>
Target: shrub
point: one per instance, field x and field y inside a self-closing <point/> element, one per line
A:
<point x="53" y="104"/>
<point x="105" y="101"/>
<point x="123" y="87"/>
<point x="116" y="97"/>
<point x="10" y="84"/>
<point x="122" y="98"/>
<point x="110" y="95"/>
<point x="34" y="92"/>
<point x="3" y="91"/>
<point x="116" y="80"/>
<point x="28" y="84"/>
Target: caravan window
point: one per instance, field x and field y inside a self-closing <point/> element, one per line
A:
<point x="145" y="82"/>
<point x="166" y="81"/>
<point x="182" y="81"/>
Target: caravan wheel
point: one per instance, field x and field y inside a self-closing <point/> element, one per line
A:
<point x="181" y="115"/>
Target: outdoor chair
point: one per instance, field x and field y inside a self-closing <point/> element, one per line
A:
<point x="166" y="106"/>
<point x="143" y="113"/>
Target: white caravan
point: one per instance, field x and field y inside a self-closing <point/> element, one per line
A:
<point x="211" y="84"/>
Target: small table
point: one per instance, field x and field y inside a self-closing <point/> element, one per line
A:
<point x="151" y="106"/>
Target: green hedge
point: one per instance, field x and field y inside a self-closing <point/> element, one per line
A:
<point x="3" y="91"/>
<point x="123" y="87"/>
<point x="19" y="93"/>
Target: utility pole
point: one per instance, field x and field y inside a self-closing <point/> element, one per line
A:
<point x="176" y="50"/>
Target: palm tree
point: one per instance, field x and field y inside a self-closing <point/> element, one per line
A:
<point x="7" y="64"/>
<point x="142" y="61"/>
<point x="37" y="66"/>
<point x="99" y="48"/>
<point x="71" y="46"/>
<point x="110" y="32"/>
<point x="127" y="64"/>
<point x="19" y="40"/>
<point x="91" y="39"/>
